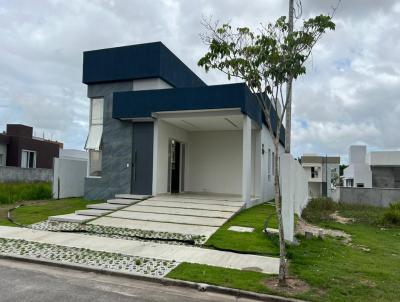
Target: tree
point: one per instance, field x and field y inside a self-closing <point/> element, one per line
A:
<point x="288" y="136"/>
<point x="265" y="61"/>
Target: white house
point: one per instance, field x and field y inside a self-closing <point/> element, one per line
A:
<point x="376" y="169"/>
<point x="156" y="128"/>
<point x="322" y="172"/>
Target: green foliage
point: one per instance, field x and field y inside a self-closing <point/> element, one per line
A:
<point x="392" y="214"/>
<point x="267" y="59"/>
<point x="246" y="280"/>
<point x="362" y="213"/>
<point x="368" y="269"/>
<point x="319" y="209"/>
<point x="13" y="192"/>
<point x="341" y="169"/>
<point x="39" y="211"/>
<point x="256" y="242"/>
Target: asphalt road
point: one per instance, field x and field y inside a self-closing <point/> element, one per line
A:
<point x="22" y="282"/>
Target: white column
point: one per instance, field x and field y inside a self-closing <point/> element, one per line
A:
<point x="246" y="169"/>
<point x="155" y="157"/>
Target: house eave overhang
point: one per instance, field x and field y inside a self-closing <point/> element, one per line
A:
<point x="148" y="103"/>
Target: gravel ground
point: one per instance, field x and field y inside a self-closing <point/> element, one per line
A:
<point x="121" y="233"/>
<point x="112" y="261"/>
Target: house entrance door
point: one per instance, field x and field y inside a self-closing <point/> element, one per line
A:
<point x="176" y="166"/>
<point x="142" y="158"/>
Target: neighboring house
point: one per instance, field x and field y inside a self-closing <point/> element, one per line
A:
<point x="323" y="174"/>
<point x="376" y="169"/>
<point x="19" y="148"/>
<point x="156" y="127"/>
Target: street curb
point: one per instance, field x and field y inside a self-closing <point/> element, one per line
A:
<point x="164" y="281"/>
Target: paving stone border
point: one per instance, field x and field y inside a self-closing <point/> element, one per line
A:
<point x="121" y="233"/>
<point x="97" y="259"/>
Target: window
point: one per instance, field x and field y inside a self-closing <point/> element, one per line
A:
<point x="349" y="182"/>
<point x="273" y="163"/>
<point x="360" y="185"/>
<point x="314" y="172"/>
<point x="1" y="160"/>
<point x="28" y="159"/>
<point x="269" y="164"/>
<point x="93" y="142"/>
<point x="95" y="163"/>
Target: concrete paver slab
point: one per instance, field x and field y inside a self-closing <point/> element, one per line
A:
<point x="132" y="196"/>
<point x="106" y="206"/>
<point x="71" y="218"/>
<point x="203" y="196"/>
<point x="201" y="201"/>
<point x="178" y="211"/>
<point x="240" y="229"/>
<point x="178" y="253"/>
<point x="192" y="220"/>
<point x="123" y="201"/>
<point x="185" y="205"/>
<point x="92" y="212"/>
<point x="155" y="226"/>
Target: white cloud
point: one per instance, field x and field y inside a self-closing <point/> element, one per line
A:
<point x="349" y="95"/>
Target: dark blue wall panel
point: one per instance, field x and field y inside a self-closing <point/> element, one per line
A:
<point x="141" y="61"/>
<point x="141" y="104"/>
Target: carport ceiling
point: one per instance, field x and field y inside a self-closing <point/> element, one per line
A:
<point x="207" y="123"/>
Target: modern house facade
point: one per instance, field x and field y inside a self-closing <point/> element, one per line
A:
<point x="376" y="169"/>
<point x="323" y="173"/>
<point x="156" y="127"/>
<point x="19" y="148"/>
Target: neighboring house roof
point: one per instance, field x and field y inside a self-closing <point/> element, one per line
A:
<point x="142" y="104"/>
<point x="141" y="61"/>
<point x="320" y="159"/>
<point x="4" y="139"/>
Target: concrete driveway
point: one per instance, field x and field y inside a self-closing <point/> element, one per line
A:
<point x="194" y="214"/>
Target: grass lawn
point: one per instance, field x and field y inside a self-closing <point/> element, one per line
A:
<point x="35" y="211"/>
<point x="14" y="192"/>
<point x="256" y="242"/>
<point x="366" y="270"/>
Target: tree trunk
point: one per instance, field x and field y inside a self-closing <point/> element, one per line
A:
<point x="278" y="207"/>
<point x="288" y="132"/>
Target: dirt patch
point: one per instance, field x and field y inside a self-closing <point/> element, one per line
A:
<point x="303" y="227"/>
<point x="344" y="220"/>
<point x="294" y="286"/>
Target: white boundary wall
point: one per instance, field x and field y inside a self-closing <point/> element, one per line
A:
<point x="294" y="186"/>
<point x="69" y="177"/>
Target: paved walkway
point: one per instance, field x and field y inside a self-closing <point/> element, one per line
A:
<point x="196" y="214"/>
<point x="178" y="253"/>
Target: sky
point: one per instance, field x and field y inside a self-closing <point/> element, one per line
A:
<point x="350" y="94"/>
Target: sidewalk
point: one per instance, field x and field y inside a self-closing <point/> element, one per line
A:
<point x="179" y="253"/>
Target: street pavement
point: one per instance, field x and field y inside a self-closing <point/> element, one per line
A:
<point x="25" y="282"/>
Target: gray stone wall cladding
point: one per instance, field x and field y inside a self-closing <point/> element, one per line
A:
<point x="16" y="174"/>
<point x="385" y="177"/>
<point x="380" y="197"/>
<point x="116" y="150"/>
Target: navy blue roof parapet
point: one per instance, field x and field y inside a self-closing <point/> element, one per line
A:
<point x="141" y="61"/>
<point x="141" y="104"/>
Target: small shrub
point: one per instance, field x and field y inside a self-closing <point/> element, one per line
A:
<point x="319" y="209"/>
<point x="392" y="214"/>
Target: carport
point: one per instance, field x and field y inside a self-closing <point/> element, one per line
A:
<point x="206" y="151"/>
